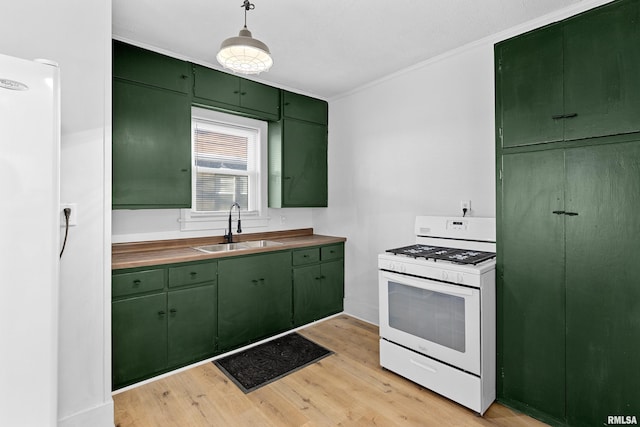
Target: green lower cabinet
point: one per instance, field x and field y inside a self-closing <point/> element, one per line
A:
<point x="318" y="291"/>
<point x="192" y="324"/>
<point x="603" y="285"/>
<point x="254" y="298"/>
<point x="568" y="339"/>
<point x="531" y="291"/>
<point x="139" y="338"/>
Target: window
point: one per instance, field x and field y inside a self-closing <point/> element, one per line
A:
<point x="225" y="166"/>
<point x="229" y="166"/>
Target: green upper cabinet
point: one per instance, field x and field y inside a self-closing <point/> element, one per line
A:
<point x="301" y="107"/>
<point x="151" y="139"/>
<point x="529" y="82"/>
<point x="151" y="147"/>
<point x="601" y="67"/>
<point x="233" y="93"/>
<point x="143" y="66"/>
<point x="572" y="80"/>
<point x="254" y="298"/>
<point x="297" y="164"/>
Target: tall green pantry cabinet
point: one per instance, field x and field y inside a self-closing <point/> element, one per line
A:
<point x="568" y="191"/>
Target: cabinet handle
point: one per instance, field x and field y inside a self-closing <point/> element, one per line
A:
<point x="558" y="212"/>
<point x="286" y="177"/>
<point x="236" y="92"/>
<point x="319" y="278"/>
<point x="564" y="116"/>
<point x="173" y="311"/>
<point x="571" y="213"/>
<point x="184" y="170"/>
<point x="161" y="313"/>
<point x="287" y="103"/>
<point x="305" y="256"/>
<point x="243" y="93"/>
<point x="137" y="282"/>
<point x="193" y="274"/>
<point x="184" y="76"/>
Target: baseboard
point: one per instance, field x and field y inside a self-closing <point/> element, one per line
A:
<point x="99" y="416"/>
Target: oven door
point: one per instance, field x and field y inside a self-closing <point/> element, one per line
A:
<point x="438" y="319"/>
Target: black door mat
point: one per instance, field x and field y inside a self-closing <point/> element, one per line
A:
<point x="268" y="362"/>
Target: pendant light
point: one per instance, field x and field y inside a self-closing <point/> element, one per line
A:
<point x="244" y="54"/>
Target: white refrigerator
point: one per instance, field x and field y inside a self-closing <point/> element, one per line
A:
<point x="29" y="241"/>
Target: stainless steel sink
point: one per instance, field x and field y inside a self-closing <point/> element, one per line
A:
<point x="224" y="247"/>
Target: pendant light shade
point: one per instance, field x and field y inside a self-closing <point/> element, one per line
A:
<point x="244" y="54"/>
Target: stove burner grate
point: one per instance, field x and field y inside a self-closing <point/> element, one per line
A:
<point x="458" y="256"/>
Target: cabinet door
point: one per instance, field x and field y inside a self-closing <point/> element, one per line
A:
<point x="216" y="85"/>
<point x="304" y="165"/>
<point x="143" y="66"/>
<point x="303" y="107"/>
<point x="318" y="291"/>
<point x="254" y="298"/>
<point x="601" y="66"/>
<point x="529" y="83"/>
<point x="151" y="147"/>
<point x="259" y="97"/>
<point x="307" y="286"/>
<point x="192" y="324"/>
<point x="531" y="341"/>
<point x="603" y="276"/>
<point x="139" y="338"/>
<point x="333" y="282"/>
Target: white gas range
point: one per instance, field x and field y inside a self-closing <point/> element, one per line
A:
<point x="437" y="309"/>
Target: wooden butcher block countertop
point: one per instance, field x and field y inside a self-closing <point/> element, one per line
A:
<point x="141" y="254"/>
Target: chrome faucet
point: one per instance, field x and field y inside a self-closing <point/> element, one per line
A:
<point x="228" y="237"/>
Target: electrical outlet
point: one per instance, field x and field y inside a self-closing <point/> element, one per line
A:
<point x="465" y="204"/>
<point x="73" y="218"/>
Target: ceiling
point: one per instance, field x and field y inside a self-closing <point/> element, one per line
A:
<point x="324" y="47"/>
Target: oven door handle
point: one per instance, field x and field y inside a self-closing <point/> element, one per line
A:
<point x="430" y="285"/>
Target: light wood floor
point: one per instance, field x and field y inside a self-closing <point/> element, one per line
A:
<point x="347" y="388"/>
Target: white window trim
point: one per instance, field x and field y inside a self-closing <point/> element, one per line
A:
<point x="191" y="220"/>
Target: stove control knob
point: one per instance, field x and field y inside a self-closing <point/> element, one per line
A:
<point x="445" y="275"/>
<point x="460" y="278"/>
<point x="392" y="266"/>
<point x="402" y="268"/>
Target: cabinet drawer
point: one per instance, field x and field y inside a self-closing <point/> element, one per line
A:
<point x="332" y="252"/>
<point x="192" y="274"/>
<point x="306" y="256"/>
<point x="137" y="283"/>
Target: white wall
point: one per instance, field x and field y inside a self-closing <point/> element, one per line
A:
<point x="77" y="34"/>
<point x="162" y="224"/>
<point x="415" y="143"/>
